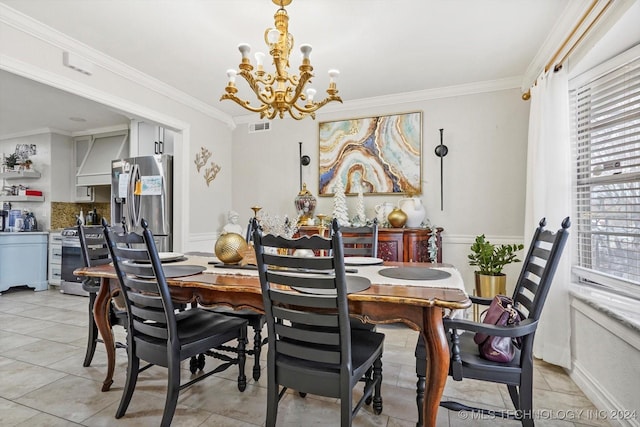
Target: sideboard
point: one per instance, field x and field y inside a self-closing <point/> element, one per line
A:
<point x="408" y="244"/>
<point x="399" y="244"/>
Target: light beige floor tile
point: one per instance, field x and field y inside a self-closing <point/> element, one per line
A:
<point x="146" y="410"/>
<point x="486" y="394"/>
<point x="20" y="324"/>
<point x="9" y="305"/>
<point x="46" y="420"/>
<point x="19" y="378"/>
<point x="58" y="315"/>
<point x="71" y="398"/>
<point x="10" y="340"/>
<point x="42" y="352"/>
<point x="67" y="334"/>
<point x="217" y="420"/>
<point x="222" y="396"/>
<point x="12" y="414"/>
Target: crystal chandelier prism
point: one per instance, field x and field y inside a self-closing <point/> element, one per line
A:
<point x="280" y="92"/>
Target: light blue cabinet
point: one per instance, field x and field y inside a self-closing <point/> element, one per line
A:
<point x="23" y="260"/>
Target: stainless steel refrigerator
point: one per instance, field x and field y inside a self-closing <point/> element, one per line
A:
<point x="142" y="188"/>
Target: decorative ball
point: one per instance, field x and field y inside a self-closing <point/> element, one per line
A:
<point x="397" y="218"/>
<point x="230" y="248"/>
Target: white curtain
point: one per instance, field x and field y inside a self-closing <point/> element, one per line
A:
<point x="549" y="195"/>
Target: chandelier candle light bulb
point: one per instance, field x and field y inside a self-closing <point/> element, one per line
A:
<point x="280" y="92"/>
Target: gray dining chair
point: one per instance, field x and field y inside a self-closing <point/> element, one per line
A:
<point x="529" y="296"/>
<point x="158" y="333"/>
<point x="311" y="345"/>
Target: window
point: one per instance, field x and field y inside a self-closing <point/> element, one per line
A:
<point x="606" y="136"/>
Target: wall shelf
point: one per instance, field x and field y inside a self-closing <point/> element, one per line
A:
<point x="21" y="198"/>
<point x="21" y="174"/>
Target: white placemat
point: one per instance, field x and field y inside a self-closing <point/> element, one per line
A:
<point x="370" y="272"/>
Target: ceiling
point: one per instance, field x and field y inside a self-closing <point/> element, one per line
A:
<point x="380" y="47"/>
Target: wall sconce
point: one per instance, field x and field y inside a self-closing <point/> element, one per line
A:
<point x="304" y="161"/>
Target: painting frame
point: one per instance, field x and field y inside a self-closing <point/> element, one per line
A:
<point x="378" y="155"/>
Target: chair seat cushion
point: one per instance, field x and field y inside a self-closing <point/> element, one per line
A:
<point x="196" y="324"/>
<point x="256" y="320"/>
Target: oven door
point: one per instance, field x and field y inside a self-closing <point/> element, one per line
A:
<point x="71" y="260"/>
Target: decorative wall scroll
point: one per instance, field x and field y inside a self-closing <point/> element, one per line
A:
<point x="201" y="160"/>
<point x="378" y="155"/>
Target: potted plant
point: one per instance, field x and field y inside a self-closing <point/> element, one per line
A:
<point x="11" y="161"/>
<point x="490" y="260"/>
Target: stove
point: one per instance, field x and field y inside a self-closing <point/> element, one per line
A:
<point x="71" y="260"/>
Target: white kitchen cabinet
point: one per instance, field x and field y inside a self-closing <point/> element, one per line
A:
<point x="23" y="260"/>
<point x="94" y="154"/>
<point x="55" y="258"/>
<point x="150" y="139"/>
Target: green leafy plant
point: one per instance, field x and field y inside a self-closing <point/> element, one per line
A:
<point x="11" y="160"/>
<point x="491" y="259"/>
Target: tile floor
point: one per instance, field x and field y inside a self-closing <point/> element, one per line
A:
<point x="43" y="383"/>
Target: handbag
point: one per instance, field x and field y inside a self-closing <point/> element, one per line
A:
<point x="500" y="313"/>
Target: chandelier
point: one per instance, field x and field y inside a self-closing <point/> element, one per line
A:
<point x="281" y="92"/>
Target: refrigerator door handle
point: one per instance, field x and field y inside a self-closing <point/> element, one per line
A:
<point x="134" y="205"/>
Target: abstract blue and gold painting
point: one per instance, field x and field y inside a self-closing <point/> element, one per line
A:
<point x="375" y="155"/>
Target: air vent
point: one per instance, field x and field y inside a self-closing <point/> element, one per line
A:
<point x="259" y="127"/>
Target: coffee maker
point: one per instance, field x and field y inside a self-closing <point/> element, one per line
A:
<point x="4" y="216"/>
<point x="4" y="221"/>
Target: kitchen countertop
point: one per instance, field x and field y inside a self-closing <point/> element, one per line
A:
<point x="17" y="233"/>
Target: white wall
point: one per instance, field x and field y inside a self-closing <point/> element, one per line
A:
<point x="34" y="51"/>
<point x="484" y="172"/>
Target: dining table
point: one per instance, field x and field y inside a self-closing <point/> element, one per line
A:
<point x="418" y="298"/>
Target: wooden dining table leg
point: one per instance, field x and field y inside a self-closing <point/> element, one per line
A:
<point x="437" y="363"/>
<point x="101" y="316"/>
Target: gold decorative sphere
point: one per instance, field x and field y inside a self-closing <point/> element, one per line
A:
<point x="397" y="218"/>
<point x="230" y="248"/>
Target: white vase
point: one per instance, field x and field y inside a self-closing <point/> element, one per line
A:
<point x="382" y="212"/>
<point x="412" y="206"/>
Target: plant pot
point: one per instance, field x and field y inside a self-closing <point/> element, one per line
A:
<point x="488" y="287"/>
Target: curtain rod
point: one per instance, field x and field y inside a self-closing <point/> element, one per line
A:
<point x="527" y="95"/>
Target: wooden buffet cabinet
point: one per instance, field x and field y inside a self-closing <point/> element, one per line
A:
<point x="400" y="244"/>
<point x="407" y="244"/>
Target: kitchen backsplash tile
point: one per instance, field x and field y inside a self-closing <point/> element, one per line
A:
<point x="64" y="214"/>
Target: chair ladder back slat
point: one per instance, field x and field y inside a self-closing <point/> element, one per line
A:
<point x="305" y="280"/>
<point x="153" y="330"/>
<point x="293" y="262"/>
<point x="305" y="317"/>
<point x="138" y="285"/>
<point x="535" y="269"/>
<point x="305" y="300"/>
<point x="542" y="253"/>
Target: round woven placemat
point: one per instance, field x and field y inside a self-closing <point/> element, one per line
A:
<point x="414" y="273"/>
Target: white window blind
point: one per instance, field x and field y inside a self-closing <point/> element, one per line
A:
<point x="606" y="138"/>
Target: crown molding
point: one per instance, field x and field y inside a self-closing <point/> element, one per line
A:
<point x="53" y="37"/>
<point x="33" y="132"/>
<point x="410" y="97"/>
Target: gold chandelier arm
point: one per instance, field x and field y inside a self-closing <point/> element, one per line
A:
<point x="255" y="86"/>
<point x="301" y="83"/>
<point x="244" y="104"/>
